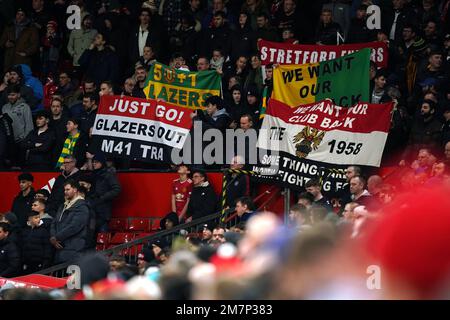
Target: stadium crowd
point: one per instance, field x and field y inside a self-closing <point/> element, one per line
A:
<point x="53" y="78"/>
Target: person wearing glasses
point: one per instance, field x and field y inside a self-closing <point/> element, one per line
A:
<point x="69" y="171"/>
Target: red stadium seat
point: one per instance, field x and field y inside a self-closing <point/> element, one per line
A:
<point x="103" y="238"/>
<point x="142" y="234"/>
<point x="100" y="247"/>
<point x="155" y="224"/>
<point x="118" y="224"/>
<point x="138" y="225"/>
<point x="122" y="237"/>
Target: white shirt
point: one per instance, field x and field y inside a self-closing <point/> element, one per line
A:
<point x="142" y="39"/>
<point x="394" y="26"/>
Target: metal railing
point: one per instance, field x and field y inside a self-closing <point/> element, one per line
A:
<point x="132" y="248"/>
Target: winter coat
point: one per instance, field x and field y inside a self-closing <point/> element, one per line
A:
<point x="20" y="113"/>
<point x="79" y="40"/>
<point x="9" y="259"/>
<point x="56" y="198"/>
<point x="26" y="93"/>
<point x="327" y="34"/>
<point x="27" y="42"/>
<point x="243" y="42"/>
<point x="36" y="246"/>
<point x="106" y="189"/>
<point x="100" y="65"/>
<point x="21" y="206"/>
<point x="70" y="228"/>
<point x="203" y="201"/>
<point x="39" y="158"/>
<point x="34" y="84"/>
<point x="219" y="120"/>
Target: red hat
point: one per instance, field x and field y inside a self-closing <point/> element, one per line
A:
<point x="52" y="24"/>
<point x="411" y="241"/>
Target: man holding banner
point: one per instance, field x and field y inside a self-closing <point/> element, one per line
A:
<point x="182" y="88"/>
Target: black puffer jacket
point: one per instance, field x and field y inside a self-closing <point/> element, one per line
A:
<point x="70" y="228"/>
<point x="9" y="259"/>
<point x="36" y="247"/>
<point x="203" y="201"/>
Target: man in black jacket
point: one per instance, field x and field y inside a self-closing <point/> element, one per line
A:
<point x="22" y="202"/>
<point x="106" y="189"/>
<point x="395" y="18"/>
<point x="100" y="62"/>
<point x="148" y="33"/>
<point x="70" y="171"/>
<point x="39" y="143"/>
<point x="69" y="229"/>
<point x="9" y="254"/>
<point x="36" y="247"/>
<point x="58" y="122"/>
<point x="203" y="199"/>
<point x="327" y="31"/>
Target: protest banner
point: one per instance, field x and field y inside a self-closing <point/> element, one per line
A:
<point x="181" y="88"/>
<point x="302" y="142"/>
<point x="287" y="53"/>
<point x="344" y="80"/>
<point x="140" y="129"/>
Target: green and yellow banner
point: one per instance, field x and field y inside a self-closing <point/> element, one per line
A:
<point x="344" y="80"/>
<point x="181" y="88"/>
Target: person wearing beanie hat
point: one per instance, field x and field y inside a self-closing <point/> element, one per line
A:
<point x="15" y="76"/>
<point x="36" y="247"/>
<point x="20" y="41"/>
<point x="169" y="221"/>
<point x="252" y="98"/>
<point x="37" y="146"/>
<point x="22" y="202"/>
<point x="51" y="44"/>
<point x="22" y="121"/>
<point x="106" y="189"/>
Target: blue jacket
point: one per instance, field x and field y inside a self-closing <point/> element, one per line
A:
<point x="34" y="84"/>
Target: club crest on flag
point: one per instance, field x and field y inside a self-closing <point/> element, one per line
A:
<point x="308" y="140"/>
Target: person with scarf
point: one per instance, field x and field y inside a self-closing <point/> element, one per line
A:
<point x="75" y="144"/>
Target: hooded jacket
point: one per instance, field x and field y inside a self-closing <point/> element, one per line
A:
<point x="20" y="113"/>
<point x="203" y="201"/>
<point x="219" y="120"/>
<point x="34" y="84"/>
<point x="70" y="228"/>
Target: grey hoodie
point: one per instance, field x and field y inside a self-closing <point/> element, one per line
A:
<point x="20" y="113"/>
